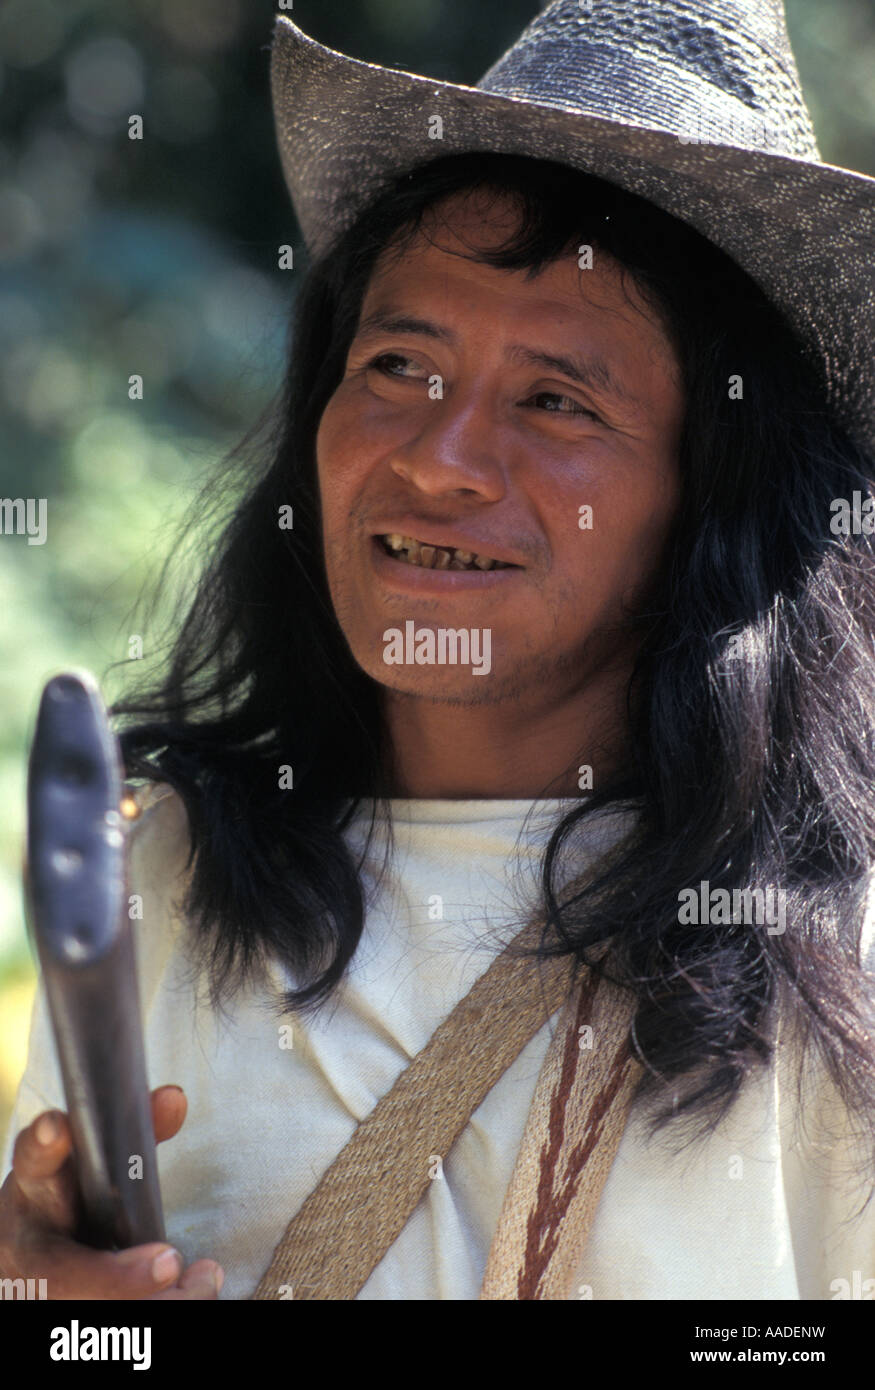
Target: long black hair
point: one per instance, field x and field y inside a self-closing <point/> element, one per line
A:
<point x="752" y="756"/>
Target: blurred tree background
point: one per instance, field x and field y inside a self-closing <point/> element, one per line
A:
<point x="159" y="257"/>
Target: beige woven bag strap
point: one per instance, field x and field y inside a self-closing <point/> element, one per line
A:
<point x="366" y="1197"/>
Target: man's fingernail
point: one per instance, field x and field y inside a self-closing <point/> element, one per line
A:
<point x="48" y="1130"/>
<point x="167" y="1265"/>
<point x="219" y="1278"/>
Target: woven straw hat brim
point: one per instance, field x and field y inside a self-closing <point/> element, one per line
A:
<point x="804" y="231"/>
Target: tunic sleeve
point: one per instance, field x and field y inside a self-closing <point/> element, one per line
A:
<point x="829" y="1177"/>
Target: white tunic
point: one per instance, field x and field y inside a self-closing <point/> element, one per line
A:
<point x="763" y="1209"/>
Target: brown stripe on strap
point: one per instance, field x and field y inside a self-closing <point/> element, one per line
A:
<point x="572" y="1134"/>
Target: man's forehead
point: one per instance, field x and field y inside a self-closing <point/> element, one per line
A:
<point x="457" y="252"/>
<point x="573" y="287"/>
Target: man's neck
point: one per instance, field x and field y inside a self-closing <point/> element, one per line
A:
<point x="502" y="751"/>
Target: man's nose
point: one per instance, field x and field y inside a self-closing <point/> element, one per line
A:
<point x="453" y="447"/>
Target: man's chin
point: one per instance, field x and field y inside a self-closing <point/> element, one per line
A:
<point x="430" y="661"/>
<point x="440" y="687"/>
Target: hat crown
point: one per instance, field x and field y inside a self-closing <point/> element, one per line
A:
<point x="709" y="71"/>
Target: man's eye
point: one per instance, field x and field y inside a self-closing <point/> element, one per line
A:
<point x="382" y="363"/>
<point x="575" y="409"/>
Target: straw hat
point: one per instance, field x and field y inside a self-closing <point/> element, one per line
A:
<point x="695" y="105"/>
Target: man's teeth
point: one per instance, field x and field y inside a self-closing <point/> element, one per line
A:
<point x="413" y="552"/>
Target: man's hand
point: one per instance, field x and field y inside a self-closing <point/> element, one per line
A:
<point x="37" y="1218"/>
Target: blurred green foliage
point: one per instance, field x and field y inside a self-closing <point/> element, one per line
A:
<point x="159" y="257"/>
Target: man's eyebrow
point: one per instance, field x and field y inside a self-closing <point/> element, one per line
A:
<point x="388" y="321"/>
<point x="593" y="373"/>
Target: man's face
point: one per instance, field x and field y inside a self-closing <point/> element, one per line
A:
<point x="457" y="421"/>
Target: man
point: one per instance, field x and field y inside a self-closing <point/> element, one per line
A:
<point x="501" y="357"/>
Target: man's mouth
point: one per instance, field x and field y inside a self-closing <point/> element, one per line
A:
<point x="412" y="552"/>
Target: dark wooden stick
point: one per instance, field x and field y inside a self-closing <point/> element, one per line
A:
<point x="77" y="906"/>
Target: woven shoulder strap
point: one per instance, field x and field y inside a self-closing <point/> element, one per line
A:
<point x="365" y="1198"/>
<point x="363" y="1201"/>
